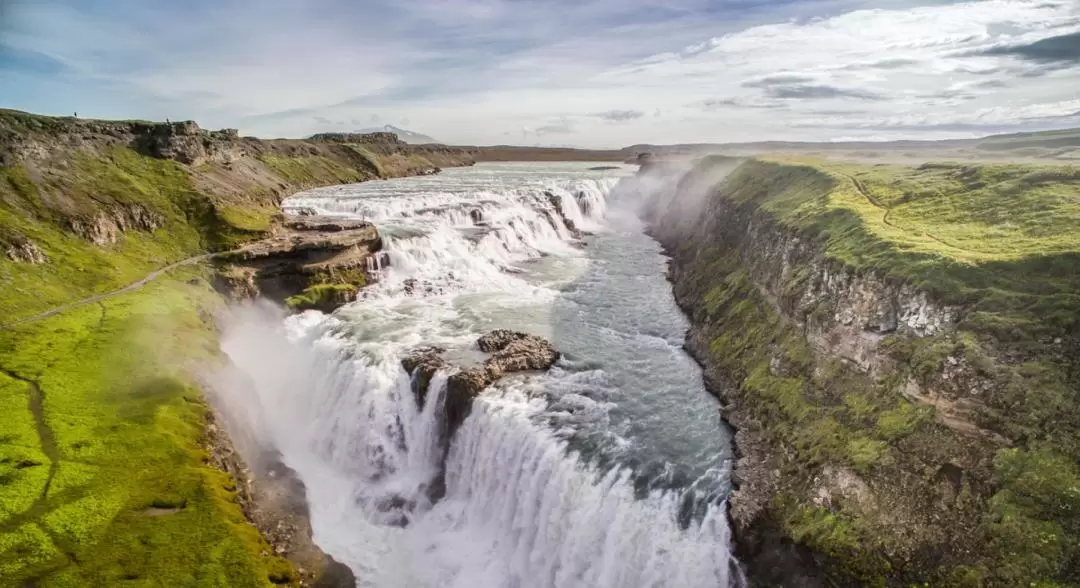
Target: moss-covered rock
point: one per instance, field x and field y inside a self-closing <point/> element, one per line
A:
<point x="324" y="297"/>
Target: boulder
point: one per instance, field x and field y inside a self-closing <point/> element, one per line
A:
<point x="422" y="364"/>
<point x="511" y="351"/>
<point x="514" y="351"/>
<point x="555" y="201"/>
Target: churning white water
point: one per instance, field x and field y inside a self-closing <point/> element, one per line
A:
<point x="608" y="471"/>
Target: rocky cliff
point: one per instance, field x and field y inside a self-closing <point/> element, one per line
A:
<point x="899" y="355"/>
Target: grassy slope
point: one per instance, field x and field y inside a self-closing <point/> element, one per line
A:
<point x="115" y="489"/>
<point x="101" y="184"/>
<point x="119" y="421"/>
<point x="1004" y="242"/>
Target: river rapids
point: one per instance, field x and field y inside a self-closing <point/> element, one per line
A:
<point x="609" y="471"/>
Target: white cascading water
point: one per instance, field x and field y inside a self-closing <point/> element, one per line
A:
<point x="526" y="502"/>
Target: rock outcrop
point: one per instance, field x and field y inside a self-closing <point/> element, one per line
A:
<point x="555" y="201"/>
<point x="313" y="263"/>
<point x="377" y="137"/>
<point x="21" y="249"/>
<point x="510" y="351"/>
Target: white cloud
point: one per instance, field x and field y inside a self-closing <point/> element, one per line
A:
<point x="472" y="71"/>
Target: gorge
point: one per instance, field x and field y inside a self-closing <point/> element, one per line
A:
<point x="610" y="469"/>
<point x="697" y="371"/>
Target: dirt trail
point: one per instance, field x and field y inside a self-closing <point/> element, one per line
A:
<point x="885" y="217"/>
<point x="106" y="295"/>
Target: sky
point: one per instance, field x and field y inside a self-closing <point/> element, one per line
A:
<point x="587" y="73"/>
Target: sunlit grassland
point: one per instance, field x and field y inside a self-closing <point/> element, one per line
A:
<point x="102" y="187"/>
<point x="133" y="499"/>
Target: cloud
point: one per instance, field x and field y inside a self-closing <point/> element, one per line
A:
<point x="778" y="80"/>
<point x="818" y="92"/>
<point x="1062" y="48"/>
<point x="560" y="127"/>
<point x="892" y="63"/>
<point x="469" y="71"/>
<point x="722" y="103"/>
<point x="620" y="115"/>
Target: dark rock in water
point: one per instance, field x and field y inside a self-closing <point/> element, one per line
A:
<point x="586" y="206"/>
<point x="476" y="215"/>
<point x="422" y="364"/>
<point x="498" y="339"/>
<point x="461" y="388"/>
<point x="603" y="168"/>
<point x="514" y="352"/>
<point x="556" y="203"/>
<point x="511" y="351"/>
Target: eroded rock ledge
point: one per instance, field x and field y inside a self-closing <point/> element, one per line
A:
<point x="511" y="351"/>
<point x="311" y="263"/>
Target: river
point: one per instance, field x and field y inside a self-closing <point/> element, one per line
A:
<point x="608" y="471"/>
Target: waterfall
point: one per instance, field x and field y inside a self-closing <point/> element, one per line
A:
<point x="521" y="508"/>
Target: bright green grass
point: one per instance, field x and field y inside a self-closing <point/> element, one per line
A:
<point x="127" y="423"/>
<point x="77" y="268"/>
<point x="1003" y="241"/>
<point x="322" y="295"/>
<point x="312" y="170"/>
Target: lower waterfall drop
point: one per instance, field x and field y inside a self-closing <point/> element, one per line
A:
<point x="610" y="470"/>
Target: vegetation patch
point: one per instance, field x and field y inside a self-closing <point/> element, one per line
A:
<point x="323" y="297"/>
<point x="128" y="424"/>
<point x="312" y="170"/>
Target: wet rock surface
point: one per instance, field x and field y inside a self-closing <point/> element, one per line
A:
<point x="556" y="204"/>
<point x="511" y="351"/>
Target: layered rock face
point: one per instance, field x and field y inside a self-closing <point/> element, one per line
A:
<point x="312" y="263"/>
<point x="871" y="450"/>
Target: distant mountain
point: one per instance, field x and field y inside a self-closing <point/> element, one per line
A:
<point x="403" y="134"/>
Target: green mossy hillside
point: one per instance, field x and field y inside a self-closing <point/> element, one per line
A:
<point x="106" y="481"/>
<point x="144" y="213"/>
<point x="323" y="296"/>
<point x="1000" y="243"/>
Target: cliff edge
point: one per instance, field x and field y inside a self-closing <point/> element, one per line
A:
<point x="898" y="349"/>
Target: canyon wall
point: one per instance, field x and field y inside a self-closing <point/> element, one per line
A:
<point x="893" y="411"/>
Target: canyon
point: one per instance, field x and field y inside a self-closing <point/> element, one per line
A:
<point x="714" y="370"/>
